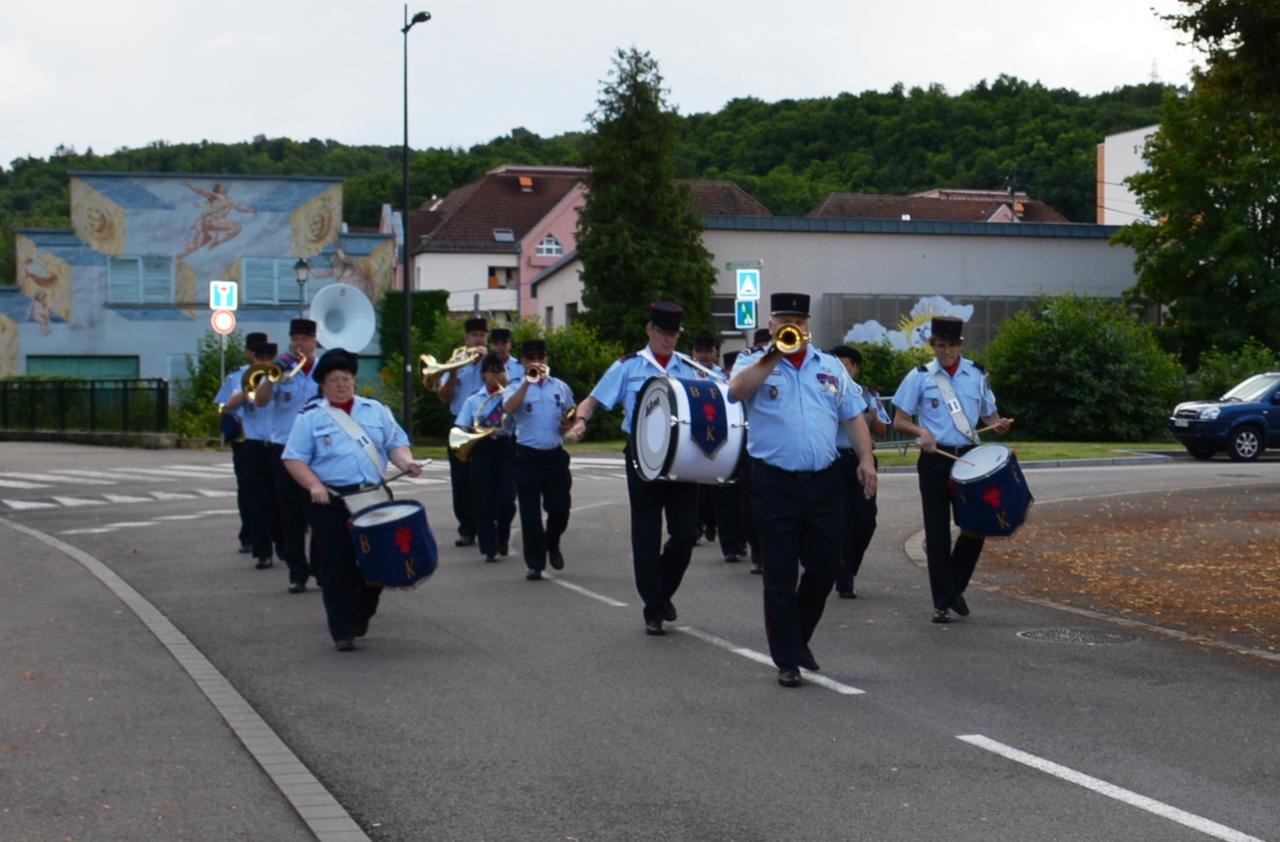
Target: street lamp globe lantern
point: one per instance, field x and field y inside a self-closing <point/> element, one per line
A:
<point x="301" y="271"/>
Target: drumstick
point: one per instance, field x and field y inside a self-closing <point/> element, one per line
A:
<point x="991" y="427"/>
<point x="953" y="456"/>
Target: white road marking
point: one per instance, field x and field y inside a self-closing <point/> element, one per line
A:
<point x="17" y="483"/>
<point x="179" y="517"/>
<point x="79" y="501"/>
<point x="295" y="781"/>
<point x="599" y="597"/>
<point x="125" y="474"/>
<point x="217" y="466"/>
<point x="125" y="498"/>
<point x="220" y="512"/>
<point x="619" y="476"/>
<point x="762" y="658"/>
<point x="171" y="495"/>
<point x="588" y="460"/>
<point x="21" y="505"/>
<point x="129" y="523"/>
<point x="1133" y="799"/>
<point x="169" y="472"/>
<point x="82" y="477"/>
<point x="214" y="493"/>
<point x="97" y="531"/>
<point x="53" y="476"/>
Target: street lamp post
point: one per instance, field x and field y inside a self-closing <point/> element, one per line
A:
<point x="301" y="270"/>
<point x="407" y="280"/>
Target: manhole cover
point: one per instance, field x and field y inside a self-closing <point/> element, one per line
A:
<point x="1088" y="637"/>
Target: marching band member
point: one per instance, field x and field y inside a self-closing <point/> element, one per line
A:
<point x="538" y="405"/>
<point x="455" y="388"/>
<point x="859" y="510"/>
<point x="321" y="456"/>
<point x="706" y="350"/>
<point x="948" y="396"/>
<point x="232" y="424"/>
<point x="287" y="399"/>
<point x="500" y="344"/>
<point x="794" y="406"/>
<point x="493" y="483"/>
<point x="259" y="488"/>
<point x="658" y="568"/>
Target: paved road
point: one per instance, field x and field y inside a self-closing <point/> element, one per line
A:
<point x="486" y="707"/>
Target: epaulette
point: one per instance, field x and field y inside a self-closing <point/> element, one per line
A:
<point x="922" y="367"/>
<point x="755" y="349"/>
<point x="979" y="367"/>
<point x="625" y="357"/>
<point x="312" y="403"/>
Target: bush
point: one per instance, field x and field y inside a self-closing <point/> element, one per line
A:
<point x="1082" y="369"/>
<point x="194" y="413"/>
<point x="1220" y="370"/>
<point x="883" y="367"/>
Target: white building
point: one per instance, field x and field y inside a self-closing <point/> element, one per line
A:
<point x="1120" y="156"/>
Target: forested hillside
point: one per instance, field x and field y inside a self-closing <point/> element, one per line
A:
<point x="789" y="154"/>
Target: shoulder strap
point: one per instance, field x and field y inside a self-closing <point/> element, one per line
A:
<point x="954" y="409"/>
<point x="700" y="367"/>
<point x="352" y="427"/>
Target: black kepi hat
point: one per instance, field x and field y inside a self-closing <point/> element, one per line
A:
<point x="665" y="316"/>
<point x="335" y="359"/>
<point x="705" y="341"/>
<point x="853" y="355"/>
<point x="476" y="324"/>
<point x="946" y="328"/>
<point x="306" y="327"/>
<point x="265" y="349"/>
<point x="499" y="334"/>
<point x="254" y="339"/>
<point x="533" y="348"/>
<point x="761" y="336"/>
<point x="789" y="304"/>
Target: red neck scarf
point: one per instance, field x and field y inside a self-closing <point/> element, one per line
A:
<point x="345" y="406"/>
<point x="797" y="359"/>
<point x="953" y="368"/>
<point x="492" y="390"/>
<point x="662" y="361"/>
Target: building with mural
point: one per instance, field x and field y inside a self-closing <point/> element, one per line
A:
<point x="124" y="292"/>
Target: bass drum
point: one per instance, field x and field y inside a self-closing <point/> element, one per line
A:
<point x="393" y="543"/>
<point x="990" y="495"/>
<point x="686" y="431"/>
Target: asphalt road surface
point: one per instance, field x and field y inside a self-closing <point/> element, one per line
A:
<point x="482" y="706"/>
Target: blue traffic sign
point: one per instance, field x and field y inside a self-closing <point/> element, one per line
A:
<point x="744" y="315"/>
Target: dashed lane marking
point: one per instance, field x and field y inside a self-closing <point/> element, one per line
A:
<point x="125" y="498"/>
<point x="762" y="658"/>
<point x="79" y="501"/>
<point x="22" y="505"/>
<point x="17" y="483"/>
<point x="1133" y="799"/>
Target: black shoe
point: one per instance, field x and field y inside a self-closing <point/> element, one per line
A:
<point x="669" y="613"/>
<point x="465" y="541"/>
<point x="710" y="533"/>
<point x="959" y="605"/>
<point x="789" y="677"/>
<point x="756" y="568"/>
<point x="556" y="558"/>
<point x="732" y="558"/>
<point x="807" y="661"/>
<point x="654" y="627"/>
<point x="533" y="575"/>
<point x="362" y="627"/>
<point x="504" y="550"/>
<point x="941" y="616"/>
<point x="344" y="644"/>
<point x="245" y="549"/>
<point x="263" y="563"/>
<point x="297" y="587"/>
<point x="849" y="594"/>
<point x="490" y="558"/>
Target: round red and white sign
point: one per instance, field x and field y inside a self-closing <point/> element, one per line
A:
<point x="223" y="321"/>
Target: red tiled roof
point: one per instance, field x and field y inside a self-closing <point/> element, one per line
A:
<point x="952" y="206"/>
<point x="721" y="198"/>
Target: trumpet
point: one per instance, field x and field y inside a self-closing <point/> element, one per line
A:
<point x="537" y="371"/>
<point x="790" y="338"/>
<point x="461" y="442"/>
<point x="432" y="370"/>
<point x="566" y="423"/>
<point x="256" y="373"/>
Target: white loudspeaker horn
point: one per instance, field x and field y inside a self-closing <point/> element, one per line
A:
<point x="344" y="317"/>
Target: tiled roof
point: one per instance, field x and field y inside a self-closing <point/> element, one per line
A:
<point x="721" y="198"/>
<point x="465" y="219"/>
<point x="951" y="206"/>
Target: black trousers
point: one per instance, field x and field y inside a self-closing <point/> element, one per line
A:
<point x="463" y="503"/>
<point x="493" y="492"/>
<point x="859" y="519"/>
<point x="291" y="502"/>
<point x="242" y="494"/>
<point x="749" y="526"/>
<point x="542" y="482"/>
<point x="799" y="516"/>
<point x="259" y="485"/>
<point x="658" y="568"/>
<point x="950" y="568"/>
<point x="730" y="516"/>
<point x="707" y="520"/>
<point x="349" y="602"/>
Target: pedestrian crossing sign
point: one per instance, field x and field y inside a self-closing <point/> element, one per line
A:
<point x="748" y="285"/>
<point x="222" y="295"/>
<point x="744" y="315"/>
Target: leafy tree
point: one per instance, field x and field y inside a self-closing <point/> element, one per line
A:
<point x="637" y="241"/>
<point x="1082" y="369"/>
<point x="194" y="413"/>
<point x="1239" y="40"/>
<point x="883" y="367"/>
<point x="1220" y="370"/>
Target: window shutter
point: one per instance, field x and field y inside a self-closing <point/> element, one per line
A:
<point x="157" y="280"/>
<point x="259" y="281"/>
<point x="122" y="280"/>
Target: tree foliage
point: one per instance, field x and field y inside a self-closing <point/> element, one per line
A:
<point x="1238" y="39"/>
<point x="1081" y="369"/>
<point x="636" y="238"/>
<point x="1220" y="370"/>
<point x="194" y="414"/>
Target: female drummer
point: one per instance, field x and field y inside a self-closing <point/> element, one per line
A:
<point x="492" y="462"/>
<point x="658" y="569"/>
<point x="949" y="396"/>
<point x="322" y="456"/>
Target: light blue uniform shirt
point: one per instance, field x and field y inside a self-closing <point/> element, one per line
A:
<point x="230" y="386"/>
<point x="256" y="420"/>
<point x="489" y="408"/>
<point x="515" y="370"/>
<point x="333" y="455"/>
<point x="469" y="380"/>
<point x="795" y="413"/>
<point x="538" y="418"/>
<point x="622" y="382"/>
<point x="287" y="399"/>
<point x="919" y="395"/>
<point x="874" y="407"/>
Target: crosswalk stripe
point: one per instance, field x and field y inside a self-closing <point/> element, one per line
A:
<point x="211" y="493"/>
<point x="17" y="483"/>
<point x="171" y="495"/>
<point x="20" y="505"/>
<point x="80" y="476"/>
<point x="219" y="466"/>
<point x="125" y="498"/>
<point x="79" y="501"/>
<point x="126" y="474"/>
<point x="168" y="472"/>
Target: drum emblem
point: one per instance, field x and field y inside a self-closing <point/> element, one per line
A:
<point x="992" y="496"/>
<point x="404" y="539"/>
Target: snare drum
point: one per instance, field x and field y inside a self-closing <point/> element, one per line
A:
<point x="394" y="546"/>
<point x="990" y="495"/>
<point x="686" y="431"/>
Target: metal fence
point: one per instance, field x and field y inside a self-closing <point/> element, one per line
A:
<point x="126" y="406"/>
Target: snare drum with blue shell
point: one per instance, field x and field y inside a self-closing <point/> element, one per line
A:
<point x="393" y="543"/>
<point x="990" y="495"/>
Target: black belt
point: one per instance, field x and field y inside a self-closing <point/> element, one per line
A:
<point x="955" y="450"/>
<point x="796" y="474"/>
<point x="349" y="489"/>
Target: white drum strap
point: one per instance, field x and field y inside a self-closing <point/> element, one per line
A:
<point x="700" y="367"/>
<point x="352" y="428"/>
<point x="954" y="409"/>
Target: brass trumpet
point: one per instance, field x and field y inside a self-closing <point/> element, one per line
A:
<point x="570" y="416"/>
<point x="536" y="372"/>
<point x="790" y="338"/>
<point x="256" y="373"/>
<point x="432" y="370"/>
<point x="461" y="442"/>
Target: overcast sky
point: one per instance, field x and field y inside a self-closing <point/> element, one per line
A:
<point x="126" y="73"/>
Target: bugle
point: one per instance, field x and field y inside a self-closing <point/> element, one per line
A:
<point x="432" y="370"/>
<point x="567" y="422"/>
<point x="537" y="371"/>
<point x="461" y="441"/>
<point x="790" y="338"/>
<point x="255" y="374"/>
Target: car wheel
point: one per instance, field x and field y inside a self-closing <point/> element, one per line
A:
<point x="1204" y="453"/>
<point x="1245" y="445"/>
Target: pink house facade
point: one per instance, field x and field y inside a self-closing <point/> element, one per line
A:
<point x="548" y="242"/>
